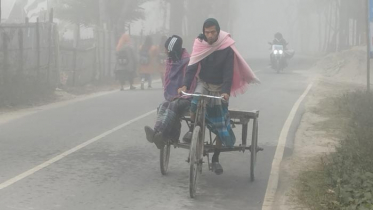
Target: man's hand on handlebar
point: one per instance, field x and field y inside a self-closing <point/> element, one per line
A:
<point x="225" y="96"/>
<point x="182" y="89"/>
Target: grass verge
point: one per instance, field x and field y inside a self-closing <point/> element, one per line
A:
<point x="343" y="180"/>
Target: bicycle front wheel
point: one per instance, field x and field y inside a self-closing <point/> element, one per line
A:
<point x="195" y="158"/>
<point x="165" y="158"/>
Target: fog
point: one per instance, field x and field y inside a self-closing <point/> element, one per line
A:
<point x="6" y="6"/>
<point x="257" y="22"/>
<point x="254" y="23"/>
<point x="93" y="109"/>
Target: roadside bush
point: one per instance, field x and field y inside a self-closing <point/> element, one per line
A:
<point x="350" y="169"/>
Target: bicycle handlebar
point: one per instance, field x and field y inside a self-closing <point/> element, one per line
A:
<point x="202" y="95"/>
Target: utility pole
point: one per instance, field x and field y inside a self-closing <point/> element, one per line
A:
<point x="101" y="37"/>
<point x="0" y="11"/>
<point x="101" y="12"/>
<point x="369" y="41"/>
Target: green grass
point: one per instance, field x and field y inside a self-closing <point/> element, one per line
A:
<point x="344" y="179"/>
<point x="313" y="190"/>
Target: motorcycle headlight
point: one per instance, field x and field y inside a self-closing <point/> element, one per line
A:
<point x="275" y="52"/>
<point x="281" y="52"/>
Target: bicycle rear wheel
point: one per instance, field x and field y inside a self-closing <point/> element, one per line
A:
<point x="254" y="150"/>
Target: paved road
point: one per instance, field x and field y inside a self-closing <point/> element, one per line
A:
<point x="121" y="170"/>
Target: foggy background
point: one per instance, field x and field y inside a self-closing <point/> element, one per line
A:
<point x="59" y="87"/>
<point x="77" y="46"/>
<point x="253" y="22"/>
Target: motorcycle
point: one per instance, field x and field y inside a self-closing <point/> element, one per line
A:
<point x="280" y="56"/>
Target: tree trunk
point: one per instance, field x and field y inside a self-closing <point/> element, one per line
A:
<point x="361" y="24"/>
<point x="334" y="41"/>
<point x="320" y="31"/>
<point x="353" y="38"/>
<point x="75" y="53"/>
<point x="344" y="26"/>
<point x="328" y="17"/>
<point x="0" y="11"/>
<point x="177" y="11"/>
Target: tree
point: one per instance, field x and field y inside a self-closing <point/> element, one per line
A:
<point x="187" y="16"/>
<point x="198" y="11"/>
<point x="86" y="12"/>
<point x="341" y="22"/>
<point x="114" y="14"/>
<point x="177" y="12"/>
<point x="82" y="12"/>
<point x="120" y="13"/>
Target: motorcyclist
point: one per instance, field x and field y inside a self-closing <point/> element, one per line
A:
<point x="279" y="40"/>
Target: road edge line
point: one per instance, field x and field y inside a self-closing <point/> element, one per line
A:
<point x="272" y="186"/>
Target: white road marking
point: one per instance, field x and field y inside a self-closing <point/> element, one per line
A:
<point x="73" y="150"/>
<point x="275" y="171"/>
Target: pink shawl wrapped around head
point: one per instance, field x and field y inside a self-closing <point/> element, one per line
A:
<point x="242" y="73"/>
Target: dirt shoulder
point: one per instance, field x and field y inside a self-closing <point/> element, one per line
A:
<point x="320" y="129"/>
